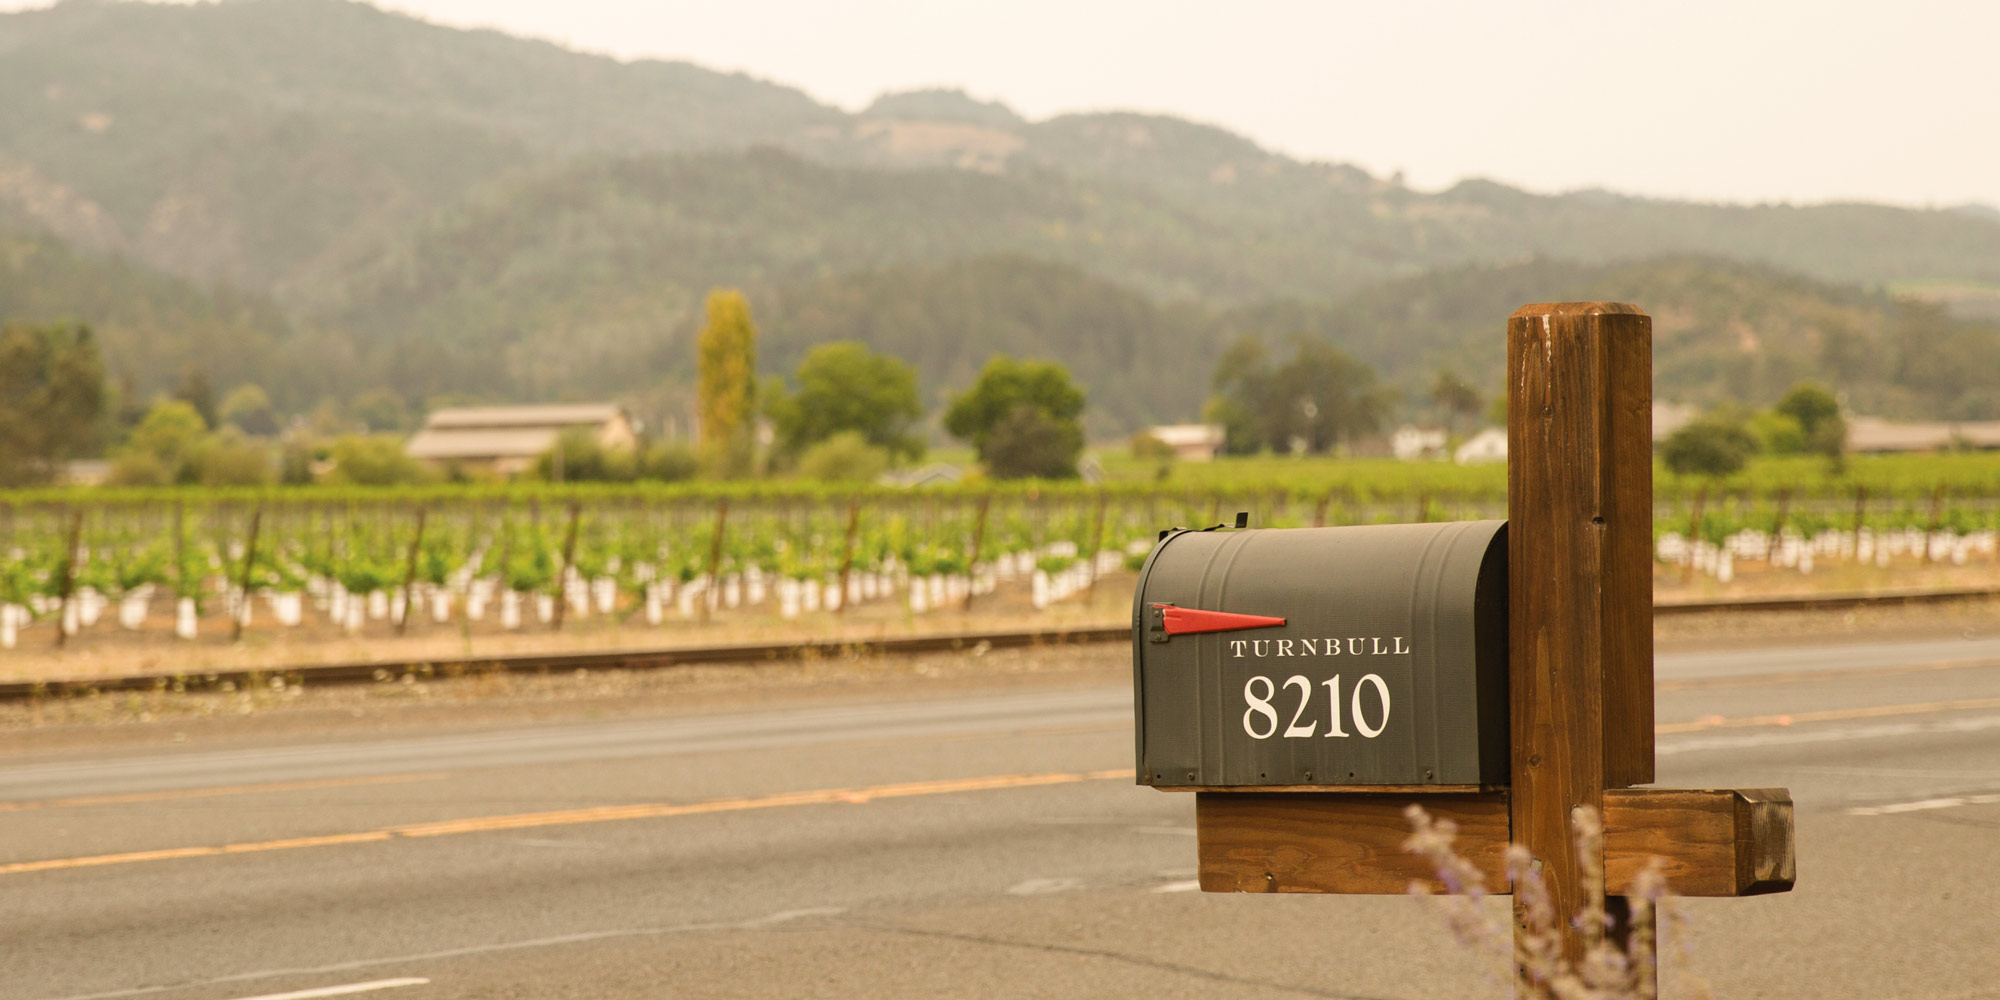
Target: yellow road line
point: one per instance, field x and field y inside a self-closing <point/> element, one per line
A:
<point x="598" y="814"/>
<point x="1833" y="715"/>
<point x="203" y="793"/>
<point x="1755" y="680"/>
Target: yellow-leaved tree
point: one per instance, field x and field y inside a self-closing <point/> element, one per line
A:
<point x="726" y="384"/>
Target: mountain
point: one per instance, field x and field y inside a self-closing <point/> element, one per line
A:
<point x="1723" y="331"/>
<point x="152" y="327"/>
<point x="382" y="201"/>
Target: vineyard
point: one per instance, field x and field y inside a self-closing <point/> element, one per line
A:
<point x="494" y="561"/>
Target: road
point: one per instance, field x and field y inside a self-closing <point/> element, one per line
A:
<point x="924" y="843"/>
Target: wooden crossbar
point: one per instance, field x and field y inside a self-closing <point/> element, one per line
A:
<point x="1712" y="842"/>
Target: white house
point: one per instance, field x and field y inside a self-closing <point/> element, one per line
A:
<point x="1489" y="445"/>
<point x="1410" y="442"/>
<point x="508" y="439"/>
<point x="1191" y="442"/>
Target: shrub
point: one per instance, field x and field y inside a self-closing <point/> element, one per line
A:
<point x="845" y="457"/>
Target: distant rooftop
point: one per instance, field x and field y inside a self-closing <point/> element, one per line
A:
<point x="556" y="415"/>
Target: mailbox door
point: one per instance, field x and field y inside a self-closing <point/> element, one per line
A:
<point x="1389" y="667"/>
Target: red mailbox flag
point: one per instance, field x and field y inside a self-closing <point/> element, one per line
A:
<point x="1181" y="621"/>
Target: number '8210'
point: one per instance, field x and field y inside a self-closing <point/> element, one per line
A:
<point x="1260" y="719"/>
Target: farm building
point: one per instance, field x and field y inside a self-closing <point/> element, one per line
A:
<point x="1190" y="442"/>
<point x="506" y="440"/>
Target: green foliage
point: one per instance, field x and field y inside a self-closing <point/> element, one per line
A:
<point x="846" y="457"/>
<point x="1147" y="448"/>
<point x="669" y="462"/>
<point x="1817" y="412"/>
<point x="374" y="460"/>
<point x="1711" y="447"/>
<point x="52" y="396"/>
<point x="726" y="382"/>
<point x="195" y="391"/>
<point x="165" y="447"/>
<point x="228" y="458"/>
<point x="1007" y="386"/>
<point x="248" y="408"/>
<point x="1776" y="433"/>
<point x="1030" y="443"/>
<point x="381" y="411"/>
<point x="1457" y="397"/>
<point x="577" y="456"/>
<point x="845" y="387"/>
<point x="1316" y="399"/>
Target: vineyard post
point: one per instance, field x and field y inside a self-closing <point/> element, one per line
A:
<point x="978" y="542"/>
<point x="1423" y="506"/>
<point x="714" y="594"/>
<point x="1096" y="546"/>
<point x="68" y="579"/>
<point x="562" y="573"/>
<point x="1694" y="531"/>
<point x="1860" y="513"/>
<point x="249" y="565"/>
<point x="410" y="571"/>
<point x="847" y="552"/>
<point x="1778" y="523"/>
<point x="1319" y="512"/>
<point x="180" y="547"/>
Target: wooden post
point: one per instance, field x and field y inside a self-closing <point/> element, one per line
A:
<point x="1778" y="523"/>
<point x="847" y="552"/>
<point x="562" y="573"/>
<point x="1096" y="546"/>
<point x="249" y="566"/>
<point x="714" y="594"/>
<point x="978" y="543"/>
<point x="67" y="581"/>
<point x="1319" y="512"/>
<point x="1694" y="530"/>
<point x="1579" y="487"/>
<point x="180" y="550"/>
<point x="410" y="572"/>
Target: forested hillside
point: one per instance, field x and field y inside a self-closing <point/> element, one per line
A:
<point x="466" y="214"/>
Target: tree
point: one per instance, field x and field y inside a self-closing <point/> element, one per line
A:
<point x="1028" y="443"/>
<point x="847" y="457"/>
<point x="1711" y="447"/>
<point x="195" y="391"/>
<point x="1818" y="413"/>
<point x="1034" y="408"/>
<point x="726" y="382"/>
<point x="248" y="407"/>
<point x="375" y="460"/>
<point x="577" y="456"/>
<point x="381" y="410"/>
<point x="1317" y="399"/>
<point x="52" y="399"/>
<point x="843" y="386"/>
<point x="165" y="447"/>
<point x="1456" y="396"/>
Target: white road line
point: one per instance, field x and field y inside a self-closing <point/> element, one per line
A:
<point x="341" y="991"/>
<point x="1188" y="886"/>
<point x="1924" y="805"/>
<point x="1670" y="745"/>
<point x="755" y="923"/>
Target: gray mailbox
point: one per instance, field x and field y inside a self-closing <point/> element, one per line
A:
<point x="1371" y="655"/>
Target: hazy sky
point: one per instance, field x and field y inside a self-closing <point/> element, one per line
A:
<point x="1748" y="100"/>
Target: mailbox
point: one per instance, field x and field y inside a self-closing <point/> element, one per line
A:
<point x="1373" y="655"/>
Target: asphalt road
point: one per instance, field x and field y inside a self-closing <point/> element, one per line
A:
<point x="925" y="844"/>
